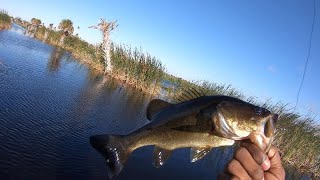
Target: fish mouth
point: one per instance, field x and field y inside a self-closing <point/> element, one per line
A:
<point x="264" y="136"/>
<point x="270" y="129"/>
<point x="270" y="125"/>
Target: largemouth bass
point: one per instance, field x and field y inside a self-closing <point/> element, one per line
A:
<point x="198" y="122"/>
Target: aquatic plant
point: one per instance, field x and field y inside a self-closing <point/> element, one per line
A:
<point x="83" y="51"/>
<point x="5" y="20"/>
<point x="137" y="68"/>
<point x="298" y="140"/>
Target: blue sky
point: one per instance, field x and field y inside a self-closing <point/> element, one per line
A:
<point x="259" y="47"/>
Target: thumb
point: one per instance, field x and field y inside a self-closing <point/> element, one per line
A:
<point x="266" y="164"/>
<point x="276" y="168"/>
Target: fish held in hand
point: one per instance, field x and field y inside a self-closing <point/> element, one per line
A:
<point x="196" y="121"/>
<point x="239" y="121"/>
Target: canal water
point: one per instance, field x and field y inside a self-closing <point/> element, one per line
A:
<point x="49" y="107"/>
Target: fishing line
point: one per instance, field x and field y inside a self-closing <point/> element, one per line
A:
<point x="309" y="49"/>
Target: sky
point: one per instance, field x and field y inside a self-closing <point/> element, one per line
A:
<point x="259" y="47"/>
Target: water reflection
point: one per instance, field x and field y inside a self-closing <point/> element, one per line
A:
<point x="54" y="61"/>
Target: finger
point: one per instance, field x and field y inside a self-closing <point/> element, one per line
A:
<point x="224" y="176"/>
<point x="266" y="165"/>
<point x="274" y="157"/>
<point x="235" y="169"/>
<point x="276" y="168"/>
<point x="253" y="169"/>
<point x="273" y="152"/>
<point x="258" y="155"/>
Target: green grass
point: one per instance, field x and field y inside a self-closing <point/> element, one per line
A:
<point x="5" y="20"/>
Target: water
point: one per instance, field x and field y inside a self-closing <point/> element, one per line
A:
<point x="49" y="107"/>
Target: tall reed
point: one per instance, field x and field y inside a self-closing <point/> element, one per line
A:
<point x="5" y="20"/>
<point x="135" y="67"/>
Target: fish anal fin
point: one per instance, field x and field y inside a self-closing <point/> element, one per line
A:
<point x="188" y="94"/>
<point x="155" y="106"/>
<point x="160" y="156"/>
<point x="197" y="153"/>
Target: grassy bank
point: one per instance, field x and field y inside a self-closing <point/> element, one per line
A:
<point x="130" y="66"/>
<point x="80" y="49"/>
<point x="5" y="20"/>
<point x="297" y="138"/>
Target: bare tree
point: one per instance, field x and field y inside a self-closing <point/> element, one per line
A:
<point x="106" y="27"/>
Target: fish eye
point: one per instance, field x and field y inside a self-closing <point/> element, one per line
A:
<point x="259" y="111"/>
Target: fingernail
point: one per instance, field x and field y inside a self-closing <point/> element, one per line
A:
<point x="266" y="164"/>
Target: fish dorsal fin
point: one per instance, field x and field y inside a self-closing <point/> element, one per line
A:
<point x="160" y="156"/>
<point x="188" y="94"/>
<point x="155" y="106"/>
<point x="197" y="153"/>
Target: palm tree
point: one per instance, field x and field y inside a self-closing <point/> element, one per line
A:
<point x="106" y="27"/>
<point x="35" y="23"/>
<point x="18" y="20"/>
<point x="66" y="26"/>
<point x="46" y="34"/>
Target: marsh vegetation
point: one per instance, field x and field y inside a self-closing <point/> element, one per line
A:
<point x="5" y="20"/>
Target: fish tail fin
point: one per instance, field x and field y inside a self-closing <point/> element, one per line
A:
<point x="114" y="149"/>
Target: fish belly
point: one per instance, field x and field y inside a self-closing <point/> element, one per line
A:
<point x="173" y="139"/>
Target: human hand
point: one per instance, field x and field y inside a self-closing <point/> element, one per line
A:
<point x="250" y="162"/>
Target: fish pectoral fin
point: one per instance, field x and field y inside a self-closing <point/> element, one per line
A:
<point x="155" y="106"/>
<point x="197" y="153"/>
<point x="160" y="156"/>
